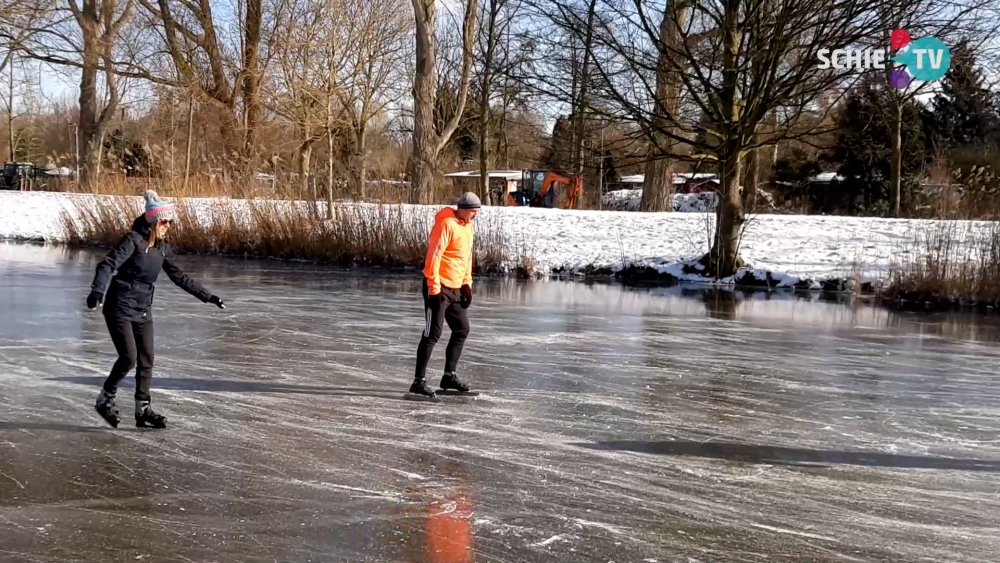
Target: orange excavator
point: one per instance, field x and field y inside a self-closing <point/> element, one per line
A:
<point x="537" y="189"/>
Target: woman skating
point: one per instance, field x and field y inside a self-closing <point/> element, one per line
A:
<point x="128" y="274"/>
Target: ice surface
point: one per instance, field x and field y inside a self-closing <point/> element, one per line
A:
<point x="796" y="246"/>
<point x="616" y="425"/>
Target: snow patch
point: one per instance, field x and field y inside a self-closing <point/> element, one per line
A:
<point x="792" y="248"/>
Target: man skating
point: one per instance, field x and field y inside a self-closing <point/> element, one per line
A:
<point x="447" y="291"/>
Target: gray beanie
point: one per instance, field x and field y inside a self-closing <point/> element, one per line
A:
<point x="469" y="200"/>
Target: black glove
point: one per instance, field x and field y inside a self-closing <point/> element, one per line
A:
<point x="466" y="296"/>
<point x="94" y="299"/>
<point x="215" y="300"/>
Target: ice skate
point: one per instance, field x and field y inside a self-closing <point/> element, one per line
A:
<point x="452" y="385"/>
<point x="146" y="418"/>
<point x="105" y="406"/>
<point x="419" y="391"/>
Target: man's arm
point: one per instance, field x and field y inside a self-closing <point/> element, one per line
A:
<point x="438" y="243"/>
<point x="468" y="270"/>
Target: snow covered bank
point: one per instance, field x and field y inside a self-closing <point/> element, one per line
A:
<point x="814" y="247"/>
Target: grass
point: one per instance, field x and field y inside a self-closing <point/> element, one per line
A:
<point x="367" y="235"/>
<point x="948" y="265"/>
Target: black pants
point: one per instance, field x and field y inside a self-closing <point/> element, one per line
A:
<point x="134" y="343"/>
<point x="449" y="309"/>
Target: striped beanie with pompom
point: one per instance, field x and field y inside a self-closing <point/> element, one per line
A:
<point x="157" y="210"/>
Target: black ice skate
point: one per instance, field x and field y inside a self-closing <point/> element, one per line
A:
<point x="452" y="385"/>
<point x="106" y="407"/>
<point x="420" y="391"/>
<point x="146" y="418"/>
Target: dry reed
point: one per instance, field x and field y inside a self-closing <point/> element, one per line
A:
<point x="373" y="235"/>
<point x="948" y="264"/>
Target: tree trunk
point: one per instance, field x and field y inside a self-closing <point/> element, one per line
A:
<point x="752" y="180"/>
<point x="90" y="129"/>
<point x="896" y="167"/>
<point x="774" y="128"/>
<point x="187" y="150"/>
<point x="10" y="113"/>
<point x="484" y="104"/>
<point x="305" y="165"/>
<point x="329" y="170"/>
<point x="503" y="142"/>
<point x="427" y="143"/>
<point x="581" y="114"/>
<point x="424" y="98"/>
<point x="424" y="172"/>
<point x="730" y="218"/>
<point x="657" y="189"/>
<point x="252" y="77"/>
<point x="484" y="156"/>
<point x="657" y="186"/>
<point x="361" y="162"/>
<point x="725" y="258"/>
<point x="99" y="157"/>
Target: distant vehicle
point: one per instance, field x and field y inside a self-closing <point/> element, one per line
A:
<point x="537" y="189"/>
<point x="18" y="175"/>
<point x="27" y="176"/>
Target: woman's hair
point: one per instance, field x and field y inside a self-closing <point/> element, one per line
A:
<point x="154" y="236"/>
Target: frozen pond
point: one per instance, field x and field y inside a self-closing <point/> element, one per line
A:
<point x="617" y="425"/>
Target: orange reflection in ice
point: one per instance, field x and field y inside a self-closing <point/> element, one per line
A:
<point x="448" y="526"/>
<point x="443" y="521"/>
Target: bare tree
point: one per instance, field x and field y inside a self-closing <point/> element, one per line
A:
<point x="89" y="41"/>
<point x="377" y="55"/>
<point x="657" y="189"/>
<point x="491" y="30"/>
<point x="223" y="65"/>
<point x="19" y="20"/>
<point x="18" y="97"/>
<point x="427" y="142"/>
<point x="304" y="65"/>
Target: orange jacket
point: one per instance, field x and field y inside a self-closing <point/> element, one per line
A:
<point x="449" y="253"/>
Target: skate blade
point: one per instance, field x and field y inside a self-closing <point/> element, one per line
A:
<point x="421" y="398"/>
<point x="150" y="425"/>
<point x="454" y="393"/>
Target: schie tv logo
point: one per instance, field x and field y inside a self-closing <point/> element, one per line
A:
<point x="926" y="59"/>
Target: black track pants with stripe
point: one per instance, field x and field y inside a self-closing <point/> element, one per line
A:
<point x="448" y="308"/>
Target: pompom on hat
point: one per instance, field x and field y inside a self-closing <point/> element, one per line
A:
<point x="157" y="210"/>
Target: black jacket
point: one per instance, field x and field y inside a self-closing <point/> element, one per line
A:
<point x="130" y="270"/>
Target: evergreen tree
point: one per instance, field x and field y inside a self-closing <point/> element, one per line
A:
<point x="864" y="147"/>
<point x="965" y="112"/>
<point x="559" y="155"/>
